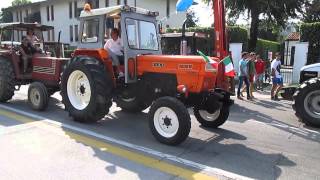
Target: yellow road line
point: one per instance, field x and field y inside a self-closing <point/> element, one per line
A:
<point x="130" y="155"/>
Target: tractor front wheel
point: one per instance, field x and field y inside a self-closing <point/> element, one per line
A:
<point x="169" y="121"/>
<point x="38" y="96"/>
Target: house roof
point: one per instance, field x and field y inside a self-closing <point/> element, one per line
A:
<point x="295" y="36"/>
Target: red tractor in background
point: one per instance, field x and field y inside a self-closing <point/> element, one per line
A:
<point x="43" y="71"/>
<point x="169" y="84"/>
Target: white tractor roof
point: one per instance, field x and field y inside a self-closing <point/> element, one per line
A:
<point x="114" y="10"/>
<point x="25" y="26"/>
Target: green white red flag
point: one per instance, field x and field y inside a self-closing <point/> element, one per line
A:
<point x="209" y="60"/>
<point x="229" y="69"/>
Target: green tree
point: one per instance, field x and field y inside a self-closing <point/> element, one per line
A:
<point x="276" y="11"/>
<point x="312" y="12"/>
<point x="5" y="16"/>
<point x="191" y="19"/>
<point x="20" y="2"/>
<point x="268" y="30"/>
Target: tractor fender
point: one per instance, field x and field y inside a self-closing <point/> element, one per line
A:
<point x="99" y="54"/>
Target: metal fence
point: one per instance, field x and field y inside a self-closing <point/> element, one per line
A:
<point x="287" y="73"/>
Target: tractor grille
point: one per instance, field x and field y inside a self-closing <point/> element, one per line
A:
<point x="43" y="70"/>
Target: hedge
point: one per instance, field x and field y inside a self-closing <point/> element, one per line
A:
<point x="67" y="53"/>
<point x="310" y="32"/>
<point x="263" y="46"/>
<point x="236" y="34"/>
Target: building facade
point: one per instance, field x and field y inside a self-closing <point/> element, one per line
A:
<point x="63" y="15"/>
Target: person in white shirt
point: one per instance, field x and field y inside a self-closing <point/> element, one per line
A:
<point x="277" y="80"/>
<point x="114" y="47"/>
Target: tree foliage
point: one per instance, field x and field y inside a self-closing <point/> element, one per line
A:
<point x="191" y="19"/>
<point x="20" y="2"/>
<point x="310" y="32"/>
<point x="5" y="16"/>
<point x="268" y="30"/>
<point x="276" y="11"/>
<point x="312" y="12"/>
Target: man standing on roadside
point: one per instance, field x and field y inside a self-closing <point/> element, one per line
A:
<point x="243" y="75"/>
<point x="277" y="81"/>
<point x="251" y="72"/>
<point x="260" y="69"/>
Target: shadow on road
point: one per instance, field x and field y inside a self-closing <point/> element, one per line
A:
<point x="269" y="120"/>
<point x="212" y="152"/>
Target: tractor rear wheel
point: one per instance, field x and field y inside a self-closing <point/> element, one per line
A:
<point x="306" y="102"/>
<point x="7" y="80"/>
<point x="169" y="121"/>
<point x="86" y="90"/>
<point x="213" y="120"/>
<point x="38" y="96"/>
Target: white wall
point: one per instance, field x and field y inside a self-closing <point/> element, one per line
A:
<point x="62" y="21"/>
<point x="300" y="59"/>
<point x="174" y="20"/>
<point x="20" y="18"/>
<point x="287" y="52"/>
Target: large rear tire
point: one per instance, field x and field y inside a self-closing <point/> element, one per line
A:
<point x="7" y="80"/>
<point x="169" y="121"/>
<point x="213" y="120"/>
<point x="86" y="90"/>
<point x="306" y="102"/>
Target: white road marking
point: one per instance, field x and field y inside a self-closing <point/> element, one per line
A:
<point x="173" y="158"/>
<point x="292" y="128"/>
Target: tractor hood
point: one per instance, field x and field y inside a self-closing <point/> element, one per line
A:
<point x="312" y="67"/>
<point x="175" y="58"/>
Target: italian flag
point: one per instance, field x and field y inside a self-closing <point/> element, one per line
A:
<point x="209" y="60"/>
<point x="229" y="69"/>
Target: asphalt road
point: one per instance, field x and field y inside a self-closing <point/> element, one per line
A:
<point x="261" y="140"/>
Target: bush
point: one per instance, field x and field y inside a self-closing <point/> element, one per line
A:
<point x="236" y="34"/>
<point x="310" y="32"/>
<point x="264" y="46"/>
<point x="67" y="53"/>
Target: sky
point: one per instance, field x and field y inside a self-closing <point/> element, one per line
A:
<point x="204" y="13"/>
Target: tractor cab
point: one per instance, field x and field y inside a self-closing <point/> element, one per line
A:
<point x="12" y="37"/>
<point x="137" y="29"/>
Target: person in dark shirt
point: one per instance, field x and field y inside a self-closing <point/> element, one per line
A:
<point x="26" y="51"/>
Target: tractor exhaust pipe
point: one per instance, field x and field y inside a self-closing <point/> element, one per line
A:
<point x="58" y="49"/>
<point x="183" y="43"/>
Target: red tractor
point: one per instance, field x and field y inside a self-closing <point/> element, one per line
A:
<point x="42" y="71"/>
<point x="169" y="84"/>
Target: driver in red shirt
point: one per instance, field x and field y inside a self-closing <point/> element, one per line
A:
<point x="260" y="69"/>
